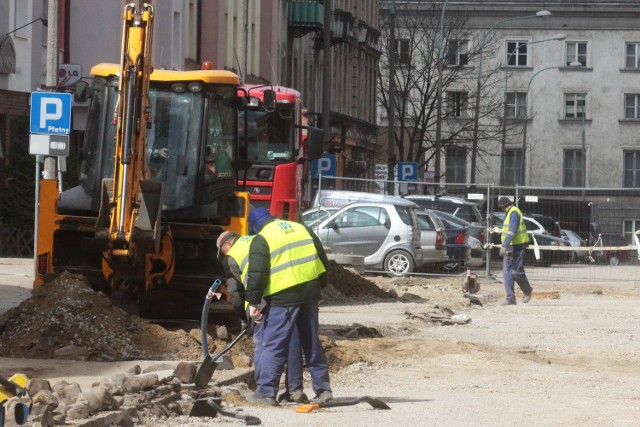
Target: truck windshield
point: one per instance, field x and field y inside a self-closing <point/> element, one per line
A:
<point x="173" y="141"/>
<point x="270" y="135"/>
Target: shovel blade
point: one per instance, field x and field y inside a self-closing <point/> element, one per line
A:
<point x="205" y="372"/>
<point x="203" y="408"/>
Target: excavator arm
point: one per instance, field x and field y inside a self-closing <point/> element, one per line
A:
<point x="128" y="225"/>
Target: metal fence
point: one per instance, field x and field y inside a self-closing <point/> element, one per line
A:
<point x="16" y="242"/>
<point x="606" y="219"/>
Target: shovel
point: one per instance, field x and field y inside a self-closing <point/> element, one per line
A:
<point x="375" y="403"/>
<point x="211" y="407"/>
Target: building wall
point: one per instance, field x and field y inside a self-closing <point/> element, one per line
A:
<point x="605" y="26"/>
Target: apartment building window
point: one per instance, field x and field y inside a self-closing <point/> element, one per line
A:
<point x="572" y="168"/>
<point x="512" y="166"/>
<point x="575" y="105"/>
<point x="632" y="106"/>
<point x="517" y="105"/>
<point x="516" y="53"/>
<point x="403" y="53"/>
<point x="629" y="228"/>
<point x="576" y="52"/>
<point x="631" y="169"/>
<point x="456" y="165"/>
<point x="457" y="53"/>
<point x="632" y="59"/>
<point x="457" y="104"/>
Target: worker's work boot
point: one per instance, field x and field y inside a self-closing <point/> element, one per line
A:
<point x="526" y="298"/>
<point x="508" y="302"/>
<point x="323" y="396"/>
<point x="297" y="396"/>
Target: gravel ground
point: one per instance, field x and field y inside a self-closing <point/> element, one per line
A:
<point x="568" y="358"/>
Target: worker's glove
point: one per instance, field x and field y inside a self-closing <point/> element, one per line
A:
<point x="254" y="313"/>
<point x="503" y="250"/>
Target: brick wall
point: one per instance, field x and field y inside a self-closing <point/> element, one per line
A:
<point x="12" y="104"/>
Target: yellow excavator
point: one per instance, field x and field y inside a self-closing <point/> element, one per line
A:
<point x="157" y="183"/>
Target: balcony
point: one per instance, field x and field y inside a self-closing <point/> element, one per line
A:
<point x="305" y="17"/>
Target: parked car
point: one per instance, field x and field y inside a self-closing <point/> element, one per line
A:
<point x="581" y="252"/>
<point x="476" y="238"/>
<point x="616" y="254"/>
<point x="311" y="216"/>
<point x="550" y="225"/>
<point x="542" y="238"/>
<point x="457" y="241"/>
<point x="432" y="240"/>
<point x="454" y="205"/>
<point x="385" y="234"/>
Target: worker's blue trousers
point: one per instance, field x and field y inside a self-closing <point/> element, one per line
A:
<point x="513" y="270"/>
<point x="277" y="328"/>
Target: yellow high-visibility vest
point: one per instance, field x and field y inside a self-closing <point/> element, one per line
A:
<point x="294" y="258"/>
<point x="240" y="254"/>
<point x="521" y="234"/>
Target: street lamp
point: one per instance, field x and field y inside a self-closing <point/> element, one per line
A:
<point x="526" y="119"/>
<point x="476" y="119"/>
<point x="581" y="101"/>
<point x="439" y="95"/>
<point x="504" y="117"/>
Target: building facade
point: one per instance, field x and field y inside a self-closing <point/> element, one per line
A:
<point x="571" y="74"/>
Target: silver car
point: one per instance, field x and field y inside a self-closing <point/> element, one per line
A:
<point x="385" y="234"/>
<point x="432" y="240"/>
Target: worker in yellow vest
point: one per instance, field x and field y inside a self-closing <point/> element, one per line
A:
<point x="515" y="240"/>
<point x="233" y="251"/>
<point x="287" y="267"/>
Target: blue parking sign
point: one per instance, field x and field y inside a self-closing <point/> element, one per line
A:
<point x="326" y="164"/>
<point x="51" y="113"/>
<point x="408" y="171"/>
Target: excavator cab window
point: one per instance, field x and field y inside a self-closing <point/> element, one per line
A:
<point x="221" y="136"/>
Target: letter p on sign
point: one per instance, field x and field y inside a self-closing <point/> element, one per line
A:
<point x="50" y="109"/>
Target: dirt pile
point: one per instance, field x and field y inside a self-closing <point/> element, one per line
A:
<point x="346" y="285"/>
<point x="65" y="318"/>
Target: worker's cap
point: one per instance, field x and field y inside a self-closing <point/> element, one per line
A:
<point x="224" y="237"/>
<point x="258" y="218"/>
<point x="504" y="201"/>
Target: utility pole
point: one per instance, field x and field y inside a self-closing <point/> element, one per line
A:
<point x="326" y="74"/>
<point x="52" y="45"/>
<point x="391" y="157"/>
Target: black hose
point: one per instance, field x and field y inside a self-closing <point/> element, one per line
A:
<point x="204" y="319"/>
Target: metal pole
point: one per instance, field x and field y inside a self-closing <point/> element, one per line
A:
<point x="584" y="150"/>
<point x="504" y="116"/>
<point x="392" y="100"/>
<point x="439" y="95"/>
<point x="476" y="118"/>
<point x="526" y="121"/>
<point x="326" y="74"/>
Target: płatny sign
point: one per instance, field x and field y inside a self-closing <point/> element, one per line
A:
<point x="51" y="113"/>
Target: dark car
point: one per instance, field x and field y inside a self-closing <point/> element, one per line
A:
<point x="542" y="238"/>
<point x="611" y="250"/>
<point x="457" y="240"/>
<point x="476" y="231"/>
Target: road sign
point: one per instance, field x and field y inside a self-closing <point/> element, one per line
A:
<point x="51" y="113"/>
<point x="326" y="164"/>
<point x="408" y="171"/>
<point x="49" y="145"/>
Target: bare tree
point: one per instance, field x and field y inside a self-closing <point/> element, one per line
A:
<point x="416" y="78"/>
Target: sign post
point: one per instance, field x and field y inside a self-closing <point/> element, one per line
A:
<point x="50" y="129"/>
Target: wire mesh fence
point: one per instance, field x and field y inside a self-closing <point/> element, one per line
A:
<point x="575" y="233"/>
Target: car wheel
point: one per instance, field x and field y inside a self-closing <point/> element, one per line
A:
<point x="398" y="263"/>
<point x="614" y="260"/>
